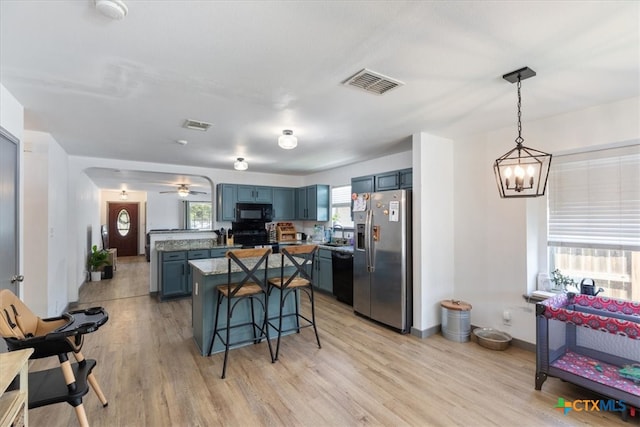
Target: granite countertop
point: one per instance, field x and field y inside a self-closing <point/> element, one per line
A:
<point x="212" y="266"/>
<point x="178" y="230"/>
<point x="189" y="244"/>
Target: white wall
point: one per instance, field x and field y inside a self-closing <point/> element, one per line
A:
<point x="58" y="236"/>
<point x="83" y="229"/>
<point x="433" y="230"/>
<point x="499" y="243"/>
<point x="36" y="207"/>
<point x="45" y="218"/>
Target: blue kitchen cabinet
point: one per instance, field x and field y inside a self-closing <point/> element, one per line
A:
<point x="313" y="203"/>
<point x="388" y="181"/>
<point x="218" y="252"/>
<point x="323" y="278"/>
<point x="255" y="194"/>
<point x="227" y="197"/>
<point x="392" y="180"/>
<point x="406" y="178"/>
<point x="172" y="274"/>
<point x="363" y="184"/>
<point x="284" y="204"/>
<point x="194" y="254"/>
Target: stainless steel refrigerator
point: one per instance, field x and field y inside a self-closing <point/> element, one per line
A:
<point x="382" y="268"/>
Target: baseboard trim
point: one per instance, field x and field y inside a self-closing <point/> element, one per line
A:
<point x="425" y="333"/>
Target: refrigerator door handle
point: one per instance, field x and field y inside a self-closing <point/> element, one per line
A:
<point x="371" y="256"/>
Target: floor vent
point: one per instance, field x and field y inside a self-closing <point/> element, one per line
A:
<point x="372" y="82"/>
<point x="196" y="125"/>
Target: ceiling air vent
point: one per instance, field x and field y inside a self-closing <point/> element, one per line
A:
<point x="372" y="82"/>
<point x="196" y="125"/>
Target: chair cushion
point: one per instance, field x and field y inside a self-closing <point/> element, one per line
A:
<point x="298" y="282"/>
<point x="247" y="289"/>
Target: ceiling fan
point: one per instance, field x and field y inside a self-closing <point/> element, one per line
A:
<point x="183" y="191"/>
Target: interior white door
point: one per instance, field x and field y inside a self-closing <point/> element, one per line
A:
<point x="9" y="275"/>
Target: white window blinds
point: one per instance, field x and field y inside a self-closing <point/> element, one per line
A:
<point x="341" y="196"/>
<point x="594" y="199"/>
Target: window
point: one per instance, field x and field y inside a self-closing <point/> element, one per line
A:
<point x="198" y="215"/>
<point x="124" y="222"/>
<point x="594" y="219"/>
<point x="341" y="206"/>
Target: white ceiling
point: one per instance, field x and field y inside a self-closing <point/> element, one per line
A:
<point x="122" y="89"/>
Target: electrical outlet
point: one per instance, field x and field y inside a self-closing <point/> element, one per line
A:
<point x="506" y="317"/>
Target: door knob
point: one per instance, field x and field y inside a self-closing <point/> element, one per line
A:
<point x="17" y="278"/>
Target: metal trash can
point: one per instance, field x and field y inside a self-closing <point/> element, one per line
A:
<point x="456" y="320"/>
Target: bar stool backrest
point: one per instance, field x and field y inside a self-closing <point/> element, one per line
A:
<point x="302" y="257"/>
<point x="239" y="258"/>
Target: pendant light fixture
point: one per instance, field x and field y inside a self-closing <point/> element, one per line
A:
<point x="287" y="140"/>
<point x="523" y="171"/>
<point x="124" y="195"/>
<point x="240" y="164"/>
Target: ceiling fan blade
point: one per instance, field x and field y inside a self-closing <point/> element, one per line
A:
<point x="167" y="192"/>
<point x="197" y="192"/>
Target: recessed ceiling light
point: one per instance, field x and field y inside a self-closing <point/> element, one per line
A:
<point x="182" y="142"/>
<point x="114" y="9"/>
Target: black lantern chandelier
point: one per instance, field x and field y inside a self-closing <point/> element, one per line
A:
<point x="523" y="171"/>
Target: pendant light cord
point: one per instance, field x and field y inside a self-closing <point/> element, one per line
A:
<point x="519" y="139"/>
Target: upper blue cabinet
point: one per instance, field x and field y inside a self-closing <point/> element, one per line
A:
<point x="255" y="194"/>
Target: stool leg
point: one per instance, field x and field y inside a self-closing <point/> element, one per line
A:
<point x="280" y="322"/>
<point x="265" y="325"/>
<point x="67" y="372"/>
<point x="296" y="298"/>
<point x="215" y="325"/>
<point x="313" y="315"/>
<point x="228" y="335"/>
<point x="82" y="415"/>
<point x="93" y="382"/>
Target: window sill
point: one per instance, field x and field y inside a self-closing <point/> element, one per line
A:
<point x="538" y="296"/>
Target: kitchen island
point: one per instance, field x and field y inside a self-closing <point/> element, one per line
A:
<point x="209" y="273"/>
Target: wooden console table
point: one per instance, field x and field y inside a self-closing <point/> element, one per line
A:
<point x="13" y="404"/>
<point x="113" y="257"/>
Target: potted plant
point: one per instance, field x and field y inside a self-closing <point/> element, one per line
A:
<point x="97" y="259"/>
<point x="563" y="283"/>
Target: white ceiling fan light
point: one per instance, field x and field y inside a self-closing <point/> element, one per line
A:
<point x="114" y="9"/>
<point x="183" y="191"/>
<point x="287" y="140"/>
<point x="240" y="164"/>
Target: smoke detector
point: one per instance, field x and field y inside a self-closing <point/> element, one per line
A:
<point x="114" y="9"/>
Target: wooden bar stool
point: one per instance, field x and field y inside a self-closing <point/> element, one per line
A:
<point x="302" y="258"/>
<point x="244" y="283"/>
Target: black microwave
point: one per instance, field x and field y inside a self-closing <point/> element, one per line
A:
<point x="254" y="212"/>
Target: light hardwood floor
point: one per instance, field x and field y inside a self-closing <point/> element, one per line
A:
<point x="152" y="374"/>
